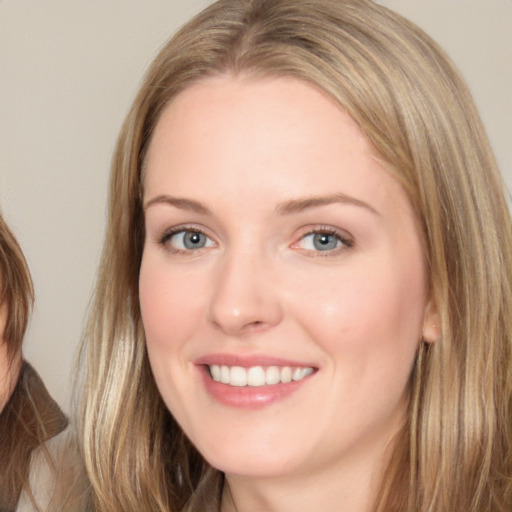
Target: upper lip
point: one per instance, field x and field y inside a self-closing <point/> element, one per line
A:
<point x="249" y="361"/>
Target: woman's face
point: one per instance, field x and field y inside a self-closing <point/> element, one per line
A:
<point x="283" y="284"/>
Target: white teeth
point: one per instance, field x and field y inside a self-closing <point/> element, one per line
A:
<point x="300" y="373"/>
<point x="273" y="375"/>
<point x="238" y="376"/>
<point x="224" y="374"/>
<point x="306" y="372"/>
<point x="286" y="374"/>
<point x="257" y="376"/>
<point x="215" y="371"/>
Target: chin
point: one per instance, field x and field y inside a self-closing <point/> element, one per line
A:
<point x="263" y="465"/>
<point x="255" y="454"/>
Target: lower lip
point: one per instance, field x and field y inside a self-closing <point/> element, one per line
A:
<point x="249" y="397"/>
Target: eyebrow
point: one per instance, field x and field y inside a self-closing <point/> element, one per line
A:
<point x="284" y="208"/>
<point x="299" y="205"/>
<point x="178" y="202"/>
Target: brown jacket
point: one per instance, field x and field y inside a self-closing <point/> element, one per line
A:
<point x="30" y="418"/>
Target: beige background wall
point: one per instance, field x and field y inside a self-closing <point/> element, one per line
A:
<point x="68" y="71"/>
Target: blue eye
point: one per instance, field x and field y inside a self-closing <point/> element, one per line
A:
<point x="323" y="241"/>
<point x="188" y="240"/>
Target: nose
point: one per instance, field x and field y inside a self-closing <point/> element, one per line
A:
<point x="245" y="295"/>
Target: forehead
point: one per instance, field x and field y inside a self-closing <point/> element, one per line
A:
<point x="234" y="123"/>
<point x="248" y="102"/>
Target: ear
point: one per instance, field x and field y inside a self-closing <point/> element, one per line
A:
<point x="431" y="331"/>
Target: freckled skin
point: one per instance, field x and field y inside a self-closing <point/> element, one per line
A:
<point x="241" y="147"/>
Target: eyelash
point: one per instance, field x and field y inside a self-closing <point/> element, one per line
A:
<point x="167" y="235"/>
<point x="346" y="241"/>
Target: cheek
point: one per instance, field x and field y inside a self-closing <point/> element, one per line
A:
<point x="369" y="315"/>
<point x="170" y="309"/>
<point x="169" y="303"/>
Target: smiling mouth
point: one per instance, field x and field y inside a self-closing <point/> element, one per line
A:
<point x="257" y="376"/>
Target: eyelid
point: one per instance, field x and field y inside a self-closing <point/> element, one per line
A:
<point x="344" y="236"/>
<point x="164" y="237"/>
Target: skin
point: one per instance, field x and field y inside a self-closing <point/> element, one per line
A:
<point x="9" y="367"/>
<point x="244" y="148"/>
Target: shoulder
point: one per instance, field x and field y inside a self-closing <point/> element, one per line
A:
<point x="56" y="479"/>
<point x="28" y="422"/>
<point x="42" y="412"/>
<point x="42" y="478"/>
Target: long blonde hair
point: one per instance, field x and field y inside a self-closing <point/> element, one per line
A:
<point x="454" y="452"/>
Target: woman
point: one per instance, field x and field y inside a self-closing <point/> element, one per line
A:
<point x="28" y="415"/>
<point x="304" y="296"/>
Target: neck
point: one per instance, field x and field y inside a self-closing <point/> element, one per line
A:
<point x="10" y="367"/>
<point x="346" y="486"/>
